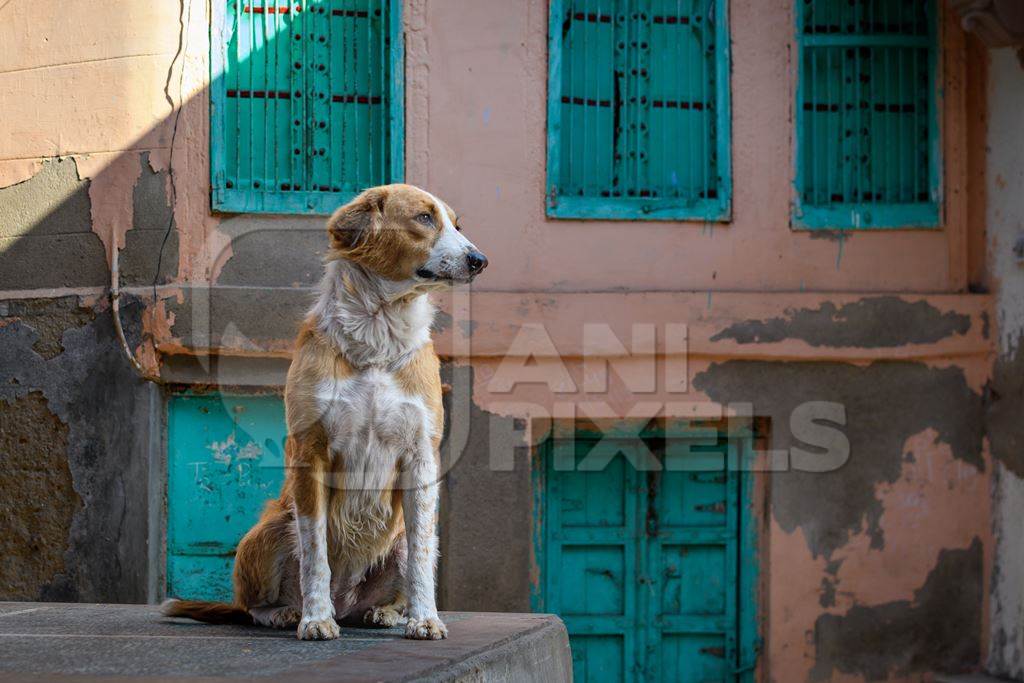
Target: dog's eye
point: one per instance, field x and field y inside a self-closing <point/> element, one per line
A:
<point x="458" y="227"/>
<point x="425" y="219"/>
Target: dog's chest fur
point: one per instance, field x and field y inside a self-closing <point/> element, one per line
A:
<point x="371" y="422"/>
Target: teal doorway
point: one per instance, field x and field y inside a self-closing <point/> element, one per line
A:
<point x="647" y="551"/>
<point x="225" y="459"/>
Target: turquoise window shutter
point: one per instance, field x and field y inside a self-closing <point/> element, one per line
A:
<point x="866" y="115"/>
<point x="306" y="102"/>
<point x="638" y="109"/>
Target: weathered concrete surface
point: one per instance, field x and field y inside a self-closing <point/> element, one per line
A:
<point x="484" y="508"/>
<point x="273" y="251"/>
<point x="150" y="253"/>
<point x="968" y="678"/>
<point x="244" y="319"/>
<point x="865" y="554"/>
<point x="869" y="323"/>
<point x="37" y="498"/>
<point x="124" y="642"/>
<point x="46" y="237"/>
<point x="885" y="404"/>
<point x="938" y="630"/>
<point x="77" y="427"/>
<point x="1005" y="414"/>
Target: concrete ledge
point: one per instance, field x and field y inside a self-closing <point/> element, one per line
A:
<point x="55" y="642"/>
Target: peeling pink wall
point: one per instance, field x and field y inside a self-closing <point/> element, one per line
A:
<point x="476" y="75"/>
<point x="96" y="81"/>
<point x="486" y="107"/>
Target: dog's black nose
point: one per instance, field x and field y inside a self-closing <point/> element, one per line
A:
<point x="477" y="261"/>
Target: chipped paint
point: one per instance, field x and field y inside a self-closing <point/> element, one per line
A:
<point x="937" y="629"/>
<point x="912" y="397"/>
<point x="772" y="317"/>
<point x="868" y="323"/>
<point x="37" y="497"/>
<point x="228" y="452"/>
<point x="1004" y="214"/>
<point x="104" y="411"/>
<point x="14" y="171"/>
<point x="110" y="193"/>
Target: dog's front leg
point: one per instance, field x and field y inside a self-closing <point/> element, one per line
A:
<point x="309" y="461"/>
<point x="420" y="508"/>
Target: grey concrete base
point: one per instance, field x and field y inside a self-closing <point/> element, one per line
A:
<point x="56" y="642"/>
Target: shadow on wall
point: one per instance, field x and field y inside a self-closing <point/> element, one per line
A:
<point x="80" y="432"/>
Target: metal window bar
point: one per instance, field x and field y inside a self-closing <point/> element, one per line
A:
<point x="326" y="137"/>
<point x="615" y="102"/>
<point x="865" y="76"/>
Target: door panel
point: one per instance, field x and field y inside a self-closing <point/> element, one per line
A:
<point x="600" y="571"/>
<point x="643" y="566"/>
<point x="598" y="658"/>
<point x="682" y="568"/>
<point x="225" y="459"/>
<point x="695" y="657"/>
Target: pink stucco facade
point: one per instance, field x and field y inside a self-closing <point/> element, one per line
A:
<point x="119" y="90"/>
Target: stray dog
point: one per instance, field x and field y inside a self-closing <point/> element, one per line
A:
<point x="352" y="537"/>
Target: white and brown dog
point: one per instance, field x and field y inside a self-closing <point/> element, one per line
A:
<point x="352" y="536"/>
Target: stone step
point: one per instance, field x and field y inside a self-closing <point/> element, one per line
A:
<point x="66" y="642"/>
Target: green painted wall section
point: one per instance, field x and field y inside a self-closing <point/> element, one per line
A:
<point x="225" y="459"/>
<point x="651" y="562"/>
<point x="307" y="102"/>
<point x="638" y="110"/>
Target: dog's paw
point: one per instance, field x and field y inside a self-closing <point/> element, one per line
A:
<point x="382" y="617"/>
<point x="431" y="628"/>
<point x="318" y="629"/>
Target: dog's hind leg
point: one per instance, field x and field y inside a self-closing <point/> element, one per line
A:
<point x="378" y="599"/>
<point x="386" y="616"/>
<point x="281" y="616"/>
<point x="266" y="572"/>
<point x="389" y="603"/>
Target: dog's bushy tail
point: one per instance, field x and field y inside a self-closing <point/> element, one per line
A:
<point x="207" y="612"/>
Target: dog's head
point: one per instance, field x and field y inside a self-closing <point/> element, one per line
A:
<point x="404" y="233"/>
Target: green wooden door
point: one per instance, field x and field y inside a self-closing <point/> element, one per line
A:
<point x="640" y="554"/>
<point x="225" y="458"/>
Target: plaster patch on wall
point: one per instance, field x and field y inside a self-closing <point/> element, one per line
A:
<point x="1006" y="640"/>
<point x="110" y="194"/>
<point x="483" y="504"/>
<point x="46" y="237"/>
<point x="49" y="318"/>
<point x="1005" y="413"/>
<point x="37" y="496"/>
<point x="150" y="248"/>
<point x="885" y="321"/>
<point x="105" y="410"/>
<point x="886" y="403"/>
<point x="937" y="502"/>
<point x="242" y="318"/>
<point x="14" y="171"/>
<point x="938" y="630"/>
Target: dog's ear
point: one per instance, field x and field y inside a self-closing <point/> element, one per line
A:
<point x="351" y="225"/>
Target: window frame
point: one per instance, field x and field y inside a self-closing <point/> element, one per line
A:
<point x="237" y="200"/>
<point x="860" y="215"/>
<point x="640" y="208"/>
